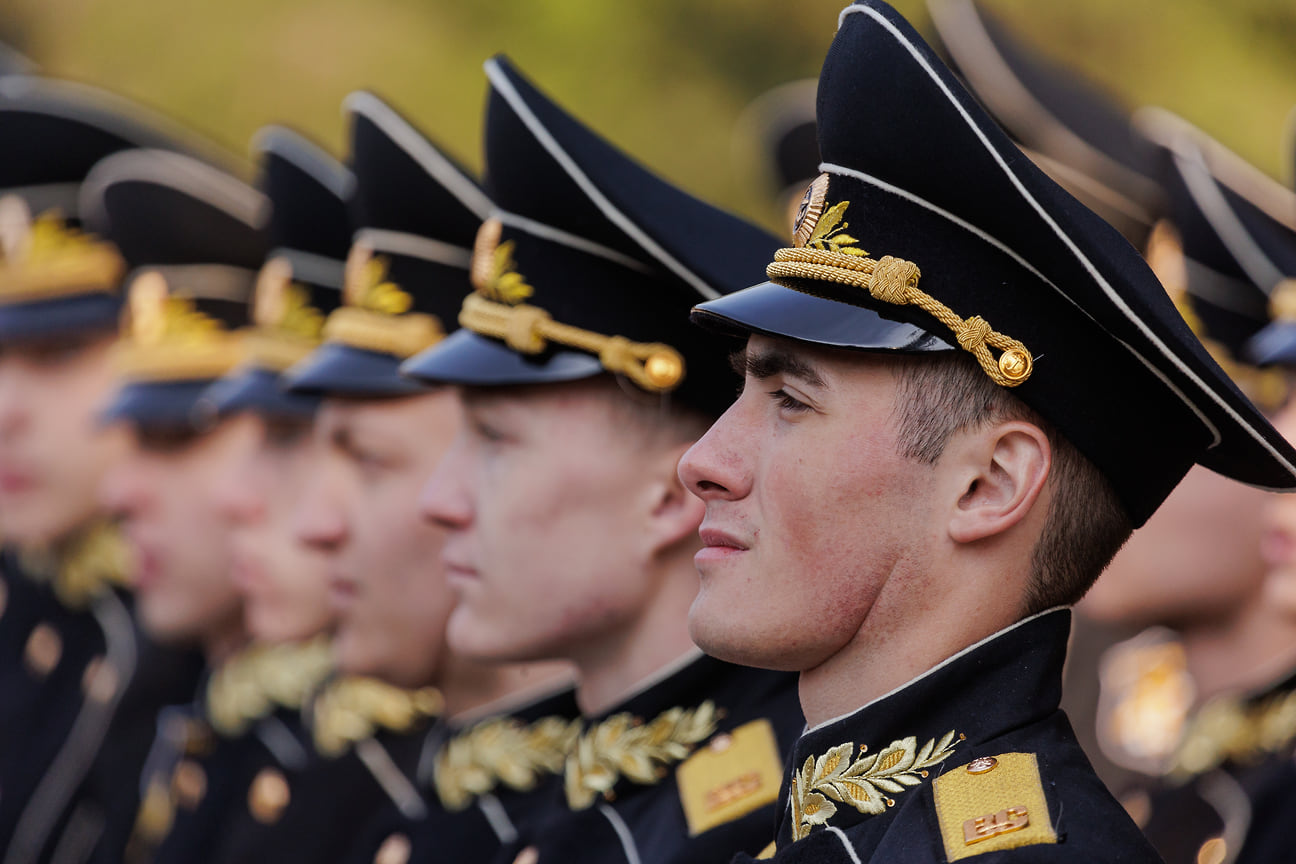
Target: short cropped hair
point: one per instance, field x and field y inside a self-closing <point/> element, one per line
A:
<point x="940" y="395"/>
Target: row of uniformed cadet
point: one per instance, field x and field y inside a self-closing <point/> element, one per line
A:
<point x="424" y="472"/>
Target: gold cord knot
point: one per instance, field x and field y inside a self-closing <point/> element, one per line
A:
<point x="522" y="331"/>
<point x="894" y="280"/>
<point x="973" y="334"/>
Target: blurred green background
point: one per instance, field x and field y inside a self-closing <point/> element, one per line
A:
<point x="665" y="79"/>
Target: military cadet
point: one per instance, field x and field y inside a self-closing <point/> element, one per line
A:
<point x="193" y="237"/>
<point x="963" y="391"/>
<point x="570" y="535"/>
<point x="80" y="685"/>
<point x="1200" y="705"/>
<point x="1077" y="133"/>
<point x="377" y="436"/>
<point x="300" y="806"/>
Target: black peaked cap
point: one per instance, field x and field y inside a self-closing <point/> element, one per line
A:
<point x="301" y="283"/>
<point x="1276" y="343"/>
<point x="51" y="134"/>
<point x="416" y="213"/>
<point x="591" y="240"/>
<point x="1236" y="228"/>
<point x="1075" y="130"/>
<point x="917" y="171"/>
<point x="194" y="237"/>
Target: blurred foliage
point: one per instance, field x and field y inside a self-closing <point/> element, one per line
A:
<point x="665" y="79"/>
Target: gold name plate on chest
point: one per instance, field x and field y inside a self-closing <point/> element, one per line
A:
<point x="983" y="828"/>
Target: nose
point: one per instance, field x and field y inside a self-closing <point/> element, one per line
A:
<point x="319" y="521"/>
<point x="716" y="467"/>
<point x="446" y="500"/>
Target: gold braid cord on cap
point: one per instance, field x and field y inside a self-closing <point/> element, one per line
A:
<point x="288" y="327"/>
<point x="376" y="316"/>
<point x="497" y="311"/>
<point x="825" y="253"/>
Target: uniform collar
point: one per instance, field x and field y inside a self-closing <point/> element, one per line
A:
<point x="1004" y="682"/>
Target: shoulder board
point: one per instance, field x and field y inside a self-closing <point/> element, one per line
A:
<point x="732" y="775"/>
<point x="992" y="803"/>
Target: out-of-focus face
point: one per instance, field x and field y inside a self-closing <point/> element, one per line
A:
<point x="360" y="510"/>
<point x="53" y="454"/>
<point x="165" y="493"/>
<point x="810" y="507"/>
<point x="1196" y="561"/>
<point x="284" y="582"/>
<point x="544" y="492"/>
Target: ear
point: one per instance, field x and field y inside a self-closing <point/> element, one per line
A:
<point x="673" y="513"/>
<point x="1005" y="469"/>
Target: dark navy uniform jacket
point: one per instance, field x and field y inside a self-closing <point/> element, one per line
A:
<point x="429" y="829"/>
<point x="265" y="795"/>
<point x="973" y="759"/>
<point x="716" y="799"/>
<point x="80" y="688"/>
<point x="1239" y="803"/>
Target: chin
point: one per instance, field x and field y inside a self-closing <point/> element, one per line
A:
<point x="728" y="640"/>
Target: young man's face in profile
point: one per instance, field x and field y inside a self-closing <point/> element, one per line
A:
<point x="810" y="506"/>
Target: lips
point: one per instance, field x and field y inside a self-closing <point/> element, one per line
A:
<point x="714" y="538"/>
<point x="343" y="592"/>
<point x="148" y="566"/>
<point x="15" y="482"/>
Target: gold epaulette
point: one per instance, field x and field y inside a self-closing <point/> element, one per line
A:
<point x="262" y="679"/>
<point x="990" y="804"/>
<point x="84" y="567"/>
<point x="865" y="782"/>
<point x="354" y="708"/>
<point x="625" y="746"/>
<point x="501" y="750"/>
<point x="1230" y="730"/>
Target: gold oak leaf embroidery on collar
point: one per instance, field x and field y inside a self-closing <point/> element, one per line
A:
<point x="501" y="750"/>
<point x="862" y="783"/>
<point x="622" y="746"/>
<point x="351" y="709"/>
<point x="1227" y="730"/>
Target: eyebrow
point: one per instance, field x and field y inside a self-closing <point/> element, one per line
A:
<point x="774" y="361"/>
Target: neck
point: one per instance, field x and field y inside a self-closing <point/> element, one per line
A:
<point x="1249" y="650"/>
<point x="224" y="643"/>
<point x="612" y="667"/>
<point x="469" y="687"/>
<point x="906" y="633"/>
